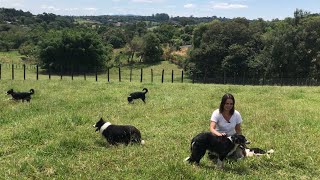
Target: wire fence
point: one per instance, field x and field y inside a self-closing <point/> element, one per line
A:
<point x="119" y="74"/>
<point x="127" y="74"/>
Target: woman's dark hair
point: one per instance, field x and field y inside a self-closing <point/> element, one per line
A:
<point x="223" y="102"/>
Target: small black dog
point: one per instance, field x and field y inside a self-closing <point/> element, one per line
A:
<point x="138" y="95"/>
<point x="21" y="95"/>
<point x="118" y="133"/>
<point x="221" y="146"/>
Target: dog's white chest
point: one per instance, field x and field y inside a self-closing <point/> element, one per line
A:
<point x="104" y="127"/>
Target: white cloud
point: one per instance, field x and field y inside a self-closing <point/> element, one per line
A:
<point x="71" y="9"/>
<point x="147" y="1"/>
<point x="12" y="3"/>
<point x="50" y="8"/>
<point x="142" y="1"/>
<point x="90" y="9"/>
<point x="228" y="6"/>
<point x="189" y="6"/>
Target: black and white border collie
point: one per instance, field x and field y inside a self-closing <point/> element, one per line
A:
<point x="116" y="134"/>
<point x="222" y="146"/>
<point x="138" y="95"/>
<point x="20" y="95"/>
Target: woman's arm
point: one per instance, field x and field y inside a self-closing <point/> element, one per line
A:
<point x="238" y="128"/>
<point x="213" y="129"/>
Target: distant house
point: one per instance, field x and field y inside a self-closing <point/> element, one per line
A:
<point x="118" y="24"/>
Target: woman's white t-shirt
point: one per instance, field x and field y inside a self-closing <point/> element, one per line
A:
<point x="222" y="125"/>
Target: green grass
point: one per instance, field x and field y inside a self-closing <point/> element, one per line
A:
<point x="52" y="137"/>
<point x="11" y="57"/>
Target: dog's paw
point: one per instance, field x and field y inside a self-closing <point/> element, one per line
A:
<point x="186" y="160"/>
<point x="142" y="142"/>
<point x="270" y="151"/>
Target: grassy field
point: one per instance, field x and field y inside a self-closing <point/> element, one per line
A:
<point x="53" y="137"/>
<point x="156" y="69"/>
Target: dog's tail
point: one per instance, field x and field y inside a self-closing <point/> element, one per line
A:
<point x="145" y="89"/>
<point x="31" y="91"/>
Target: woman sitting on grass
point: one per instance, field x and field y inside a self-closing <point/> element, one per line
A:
<point x="226" y="121"/>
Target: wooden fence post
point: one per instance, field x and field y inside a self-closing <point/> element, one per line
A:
<point x="119" y="74"/>
<point x="141" y="75"/>
<point x="193" y="76"/>
<point x="37" y="71"/>
<point x="61" y="73"/>
<point x="12" y="76"/>
<point x="172" y="76"/>
<point x="24" y="72"/>
<point x="130" y="74"/>
<point x="108" y="73"/>
<point x="182" y="76"/>
<point x="162" y="76"/>
<point x="152" y="75"/>
<point x="49" y="69"/>
<point x="96" y="73"/>
<point x="72" y="73"/>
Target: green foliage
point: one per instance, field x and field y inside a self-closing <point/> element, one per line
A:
<point x="288" y="48"/>
<point x="151" y="48"/>
<point x="73" y="48"/>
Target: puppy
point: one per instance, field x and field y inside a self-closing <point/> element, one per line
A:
<point x="138" y="95"/>
<point x="21" y="95"/>
<point x="116" y="134"/>
<point x="220" y="146"/>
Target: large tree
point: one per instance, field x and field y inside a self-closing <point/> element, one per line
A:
<point x="69" y="49"/>
<point x="151" y="48"/>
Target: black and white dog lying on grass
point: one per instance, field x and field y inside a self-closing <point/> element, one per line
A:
<point x="221" y="147"/>
<point x="138" y="95"/>
<point x="116" y="134"/>
<point x="20" y="95"/>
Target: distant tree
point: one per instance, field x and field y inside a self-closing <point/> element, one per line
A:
<point x="151" y="48"/>
<point x="166" y="32"/>
<point x="161" y="17"/>
<point x="73" y="48"/>
<point x="133" y="47"/>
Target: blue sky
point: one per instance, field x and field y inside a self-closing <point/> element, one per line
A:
<point x="250" y="9"/>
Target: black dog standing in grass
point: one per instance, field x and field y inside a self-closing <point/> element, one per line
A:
<point x="116" y="134"/>
<point x="21" y="95"/>
<point x="138" y="95"/>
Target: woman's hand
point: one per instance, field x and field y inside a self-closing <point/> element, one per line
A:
<point x="221" y="134"/>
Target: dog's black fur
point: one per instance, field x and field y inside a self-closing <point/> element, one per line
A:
<point x="221" y="146"/>
<point x="138" y="95"/>
<point x="21" y="95"/>
<point x="116" y="134"/>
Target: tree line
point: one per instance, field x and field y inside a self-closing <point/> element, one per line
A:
<point x="288" y="48"/>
